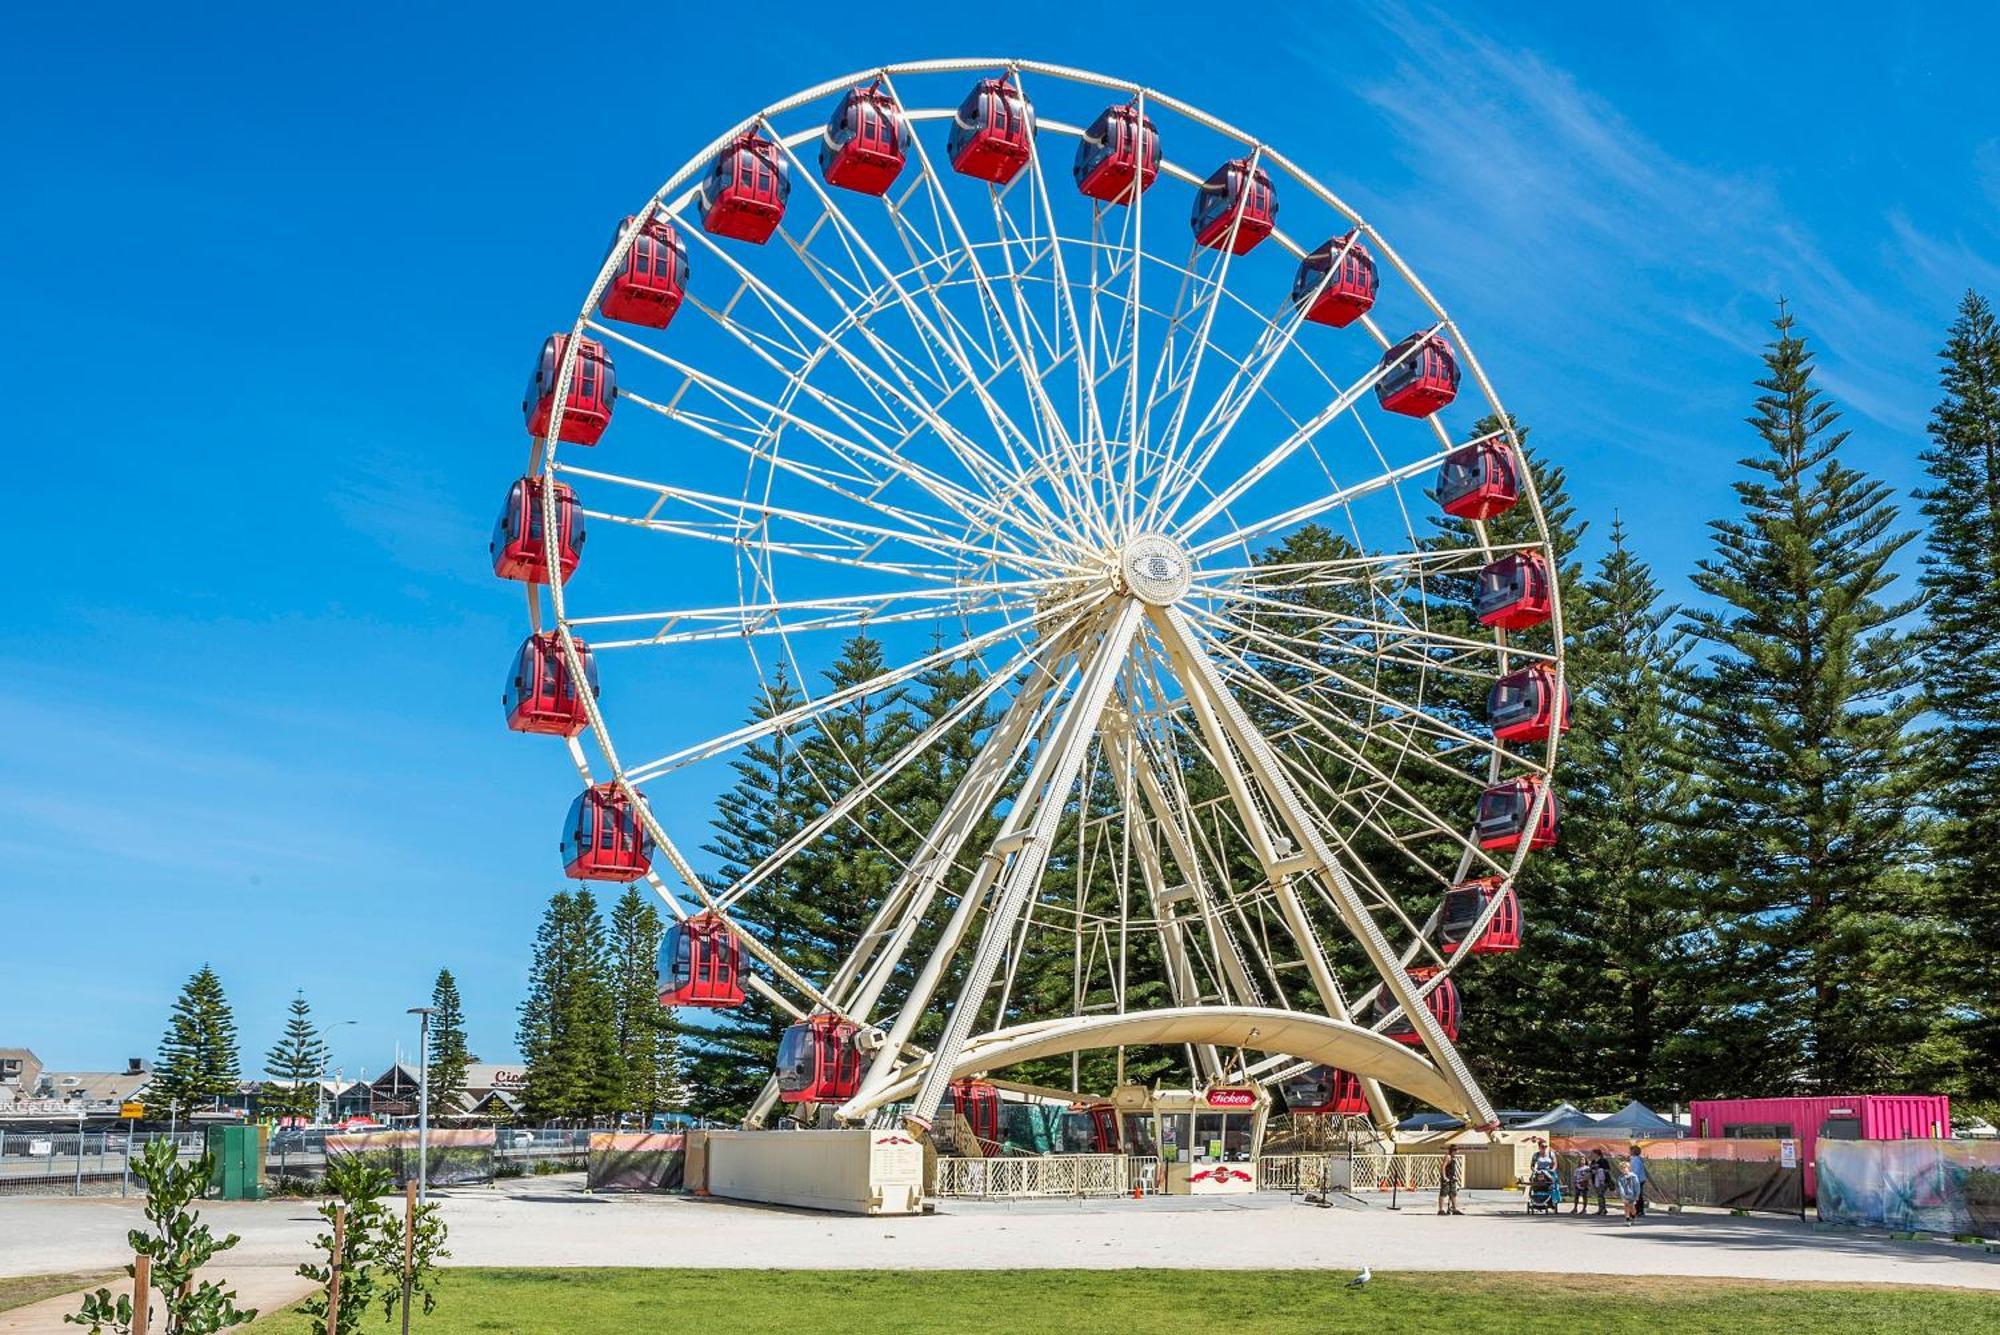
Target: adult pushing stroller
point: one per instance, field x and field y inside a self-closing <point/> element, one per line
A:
<point x="1544" y="1191"/>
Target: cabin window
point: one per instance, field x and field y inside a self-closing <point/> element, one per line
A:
<point x="1841" y="1128"/>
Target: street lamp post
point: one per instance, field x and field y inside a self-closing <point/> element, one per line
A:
<point x="319" y="1097"/>
<point x="423" y="1101"/>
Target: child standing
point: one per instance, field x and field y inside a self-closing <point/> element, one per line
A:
<point x="1628" y="1191"/>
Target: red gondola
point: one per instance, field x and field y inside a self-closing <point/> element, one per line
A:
<point x="604" y="839"/>
<point x="1503" y="816"/>
<point x="993" y="133"/>
<point x="540" y="697"/>
<point x="1120" y="147"/>
<point x="517" y="547"/>
<point x="1345" y="297"/>
<point x="701" y="964"/>
<point x="743" y="196"/>
<point x="1419" y="384"/>
<point x="1525" y="705"/>
<point x="818" y="1062"/>
<point x="1463" y="904"/>
<point x="979" y="1104"/>
<point x="1234" y="188"/>
<point x="1441" y="1001"/>
<point x="593" y="390"/>
<point x="647" y="288"/>
<point x="1514" y="592"/>
<point x="862" y="148"/>
<point x="1326" y="1090"/>
<point x="1104" y="1128"/>
<point x="1479" y="481"/>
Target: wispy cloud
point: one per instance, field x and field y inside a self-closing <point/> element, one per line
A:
<point x="1538" y="189"/>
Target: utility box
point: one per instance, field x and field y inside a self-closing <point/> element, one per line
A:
<point x="237" y="1172"/>
<point x="856" y="1171"/>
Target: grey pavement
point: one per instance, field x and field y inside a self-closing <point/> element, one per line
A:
<point x="552" y="1221"/>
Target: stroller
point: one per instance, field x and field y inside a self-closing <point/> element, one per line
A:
<point x="1544" y="1192"/>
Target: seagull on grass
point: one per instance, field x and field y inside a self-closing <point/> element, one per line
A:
<point x="1360" y="1280"/>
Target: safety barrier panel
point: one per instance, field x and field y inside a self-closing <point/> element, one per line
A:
<point x="1027" y="1177"/>
<point x="1389" y="1172"/>
<point x="1303" y="1172"/>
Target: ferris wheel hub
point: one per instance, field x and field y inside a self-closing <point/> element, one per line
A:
<point x="1155" y="569"/>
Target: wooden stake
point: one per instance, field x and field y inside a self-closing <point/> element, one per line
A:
<point x="409" y="1247"/>
<point x="333" y="1270"/>
<point x="142" y="1292"/>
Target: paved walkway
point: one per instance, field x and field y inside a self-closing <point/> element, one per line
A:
<point x="266" y="1288"/>
<point x="552" y="1222"/>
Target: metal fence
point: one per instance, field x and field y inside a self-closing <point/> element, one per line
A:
<point x="95" y="1162"/>
<point x="1387" y="1172"/>
<point x="1031" y="1176"/>
<point x="1304" y="1172"/>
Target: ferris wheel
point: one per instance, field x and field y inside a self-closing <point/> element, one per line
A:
<point x="1013" y="369"/>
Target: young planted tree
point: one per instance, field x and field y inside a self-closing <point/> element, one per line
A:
<point x="198" y="1063"/>
<point x="1801" y="726"/>
<point x="646" y="1043"/>
<point x="293" y="1065"/>
<point x="176" y="1247"/>
<point x="449" y="1055"/>
<point x="1961" y="668"/>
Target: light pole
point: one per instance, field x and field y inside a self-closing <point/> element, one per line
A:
<point x="423" y="1101"/>
<point x="319" y="1097"/>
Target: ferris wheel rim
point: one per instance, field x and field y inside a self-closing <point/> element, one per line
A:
<point x="550" y="464"/>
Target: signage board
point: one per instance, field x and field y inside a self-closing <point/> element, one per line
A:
<point x="133" y="1110"/>
<point x="1788" y="1154"/>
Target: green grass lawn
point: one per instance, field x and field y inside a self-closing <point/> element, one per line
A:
<point x="33" y="1288"/>
<point x="1033" y="1302"/>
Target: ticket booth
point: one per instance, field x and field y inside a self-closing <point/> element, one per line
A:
<point x="1205" y="1141"/>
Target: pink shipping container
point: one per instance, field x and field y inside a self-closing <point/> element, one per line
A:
<point x="1839" y="1117"/>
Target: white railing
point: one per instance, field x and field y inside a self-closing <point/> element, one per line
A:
<point x="1385" y="1172"/>
<point x="1303" y="1172"/>
<point x="1023" y="1177"/>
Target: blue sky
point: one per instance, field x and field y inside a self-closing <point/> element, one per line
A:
<point x="274" y="278"/>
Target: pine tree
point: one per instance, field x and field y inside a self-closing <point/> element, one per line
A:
<point x="1961" y="662"/>
<point x="645" y="1032"/>
<point x="1801" y="726"/>
<point x="449" y="1055"/>
<point x="568" y="1033"/>
<point x="1645" y="987"/>
<point x="293" y="1065"/>
<point x="731" y="1053"/>
<point x="198" y="1062"/>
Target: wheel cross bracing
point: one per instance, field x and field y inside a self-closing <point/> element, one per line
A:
<point x="1217" y="719"/>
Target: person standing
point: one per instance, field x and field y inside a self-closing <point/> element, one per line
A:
<point x="1600" y="1175"/>
<point x="1450" y="1173"/>
<point x="1637" y="1165"/>
<point x="1628" y="1190"/>
<point x="1579" y="1181"/>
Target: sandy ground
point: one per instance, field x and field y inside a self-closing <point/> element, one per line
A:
<point x="553" y="1222"/>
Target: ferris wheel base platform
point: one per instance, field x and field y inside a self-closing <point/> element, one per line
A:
<point x="853" y="1171"/>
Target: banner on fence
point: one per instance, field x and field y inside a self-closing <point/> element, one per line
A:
<point x="1730" y="1174"/>
<point x="1932" y="1186"/>
<point x="458" y="1155"/>
<point x="637" y="1161"/>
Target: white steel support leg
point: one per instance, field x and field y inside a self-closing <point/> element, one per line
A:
<point x="1026" y="853"/>
<point x="995" y="762"/>
<point x="1245" y="991"/>
<point x="1280" y="871"/>
<point x="1204" y="684"/>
